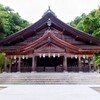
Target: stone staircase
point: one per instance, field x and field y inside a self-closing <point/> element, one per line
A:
<point x="50" y="78"/>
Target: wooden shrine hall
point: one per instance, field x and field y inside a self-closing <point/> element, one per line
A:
<point x="50" y="45"/>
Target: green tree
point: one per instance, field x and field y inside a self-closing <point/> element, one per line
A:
<point x="10" y="21"/>
<point x="96" y="33"/>
<point x="2" y="57"/>
<point x="89" y="23"/>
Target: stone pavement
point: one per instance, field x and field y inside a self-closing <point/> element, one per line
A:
<point x="49" y="92"/>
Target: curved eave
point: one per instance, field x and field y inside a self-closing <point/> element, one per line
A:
<point x="57" y="22"/>
<point x="53" y="37"/>
<point x="26" y="30"/>
<point x="75" y="31"/>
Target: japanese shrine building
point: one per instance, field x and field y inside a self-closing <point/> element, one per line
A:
<point x="50" y="45"/>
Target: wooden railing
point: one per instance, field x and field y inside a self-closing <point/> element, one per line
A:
<point x="71" y="68"/>
<point x="49" y="69"/>
<point x="77" y="69"/>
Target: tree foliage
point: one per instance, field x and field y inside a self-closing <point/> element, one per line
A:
<point x="2" y="61"/>
<point x="98" y="59"/>
<point x="2" y="57"/>
<point x="10" y="21"/>
<point x="90" y="24"/>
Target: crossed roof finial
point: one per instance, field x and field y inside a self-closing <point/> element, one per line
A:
<point x="49" y="9"/>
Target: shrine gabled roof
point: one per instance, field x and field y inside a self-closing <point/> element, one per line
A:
<point x="49" y="36"/>
<point x="49" y="16"/>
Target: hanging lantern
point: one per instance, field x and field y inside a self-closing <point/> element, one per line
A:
<point x="43" y="55"/>
<point x="15" y="57"/>
<point x="49" y="55"/>
<point x="27" y="57"/>
<point x="54" y="55"/>
<point x="58" y="55"/>
<point x="76" y="56"/>
<point x="23" y="57"/>
<point x="84" y="56"/>
<point x="71" y="56"/>
<point x="40" y="55"/>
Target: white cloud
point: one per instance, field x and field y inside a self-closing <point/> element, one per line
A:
<point x="66" y="10"/>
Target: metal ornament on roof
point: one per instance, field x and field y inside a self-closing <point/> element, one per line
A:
<point x="49" y="22"/>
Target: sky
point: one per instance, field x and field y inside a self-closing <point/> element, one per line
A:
<point x="66" y="10"/>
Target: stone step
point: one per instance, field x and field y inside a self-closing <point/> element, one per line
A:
<point x="50" y="78"/>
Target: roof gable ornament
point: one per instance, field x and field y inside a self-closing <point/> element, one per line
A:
<point x="49" y="11"/>
<point x="49" y="31"/>
<point x="49" y="22"/>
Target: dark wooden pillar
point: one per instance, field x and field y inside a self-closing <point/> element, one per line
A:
<point x="89" y="59"/>
<point x="79" y="63"/>
<point x="33" y="63"/>
<point x="65" y="63"/>
<point x="10" y="65"/>
<point x="19" y="64"/>
<point x="84" y="62"/>
<point x="5" y="64"/>
<point x="94" y="64"/>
